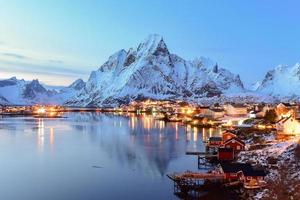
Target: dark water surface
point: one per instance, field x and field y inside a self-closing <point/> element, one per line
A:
<point x="94" y="156"/>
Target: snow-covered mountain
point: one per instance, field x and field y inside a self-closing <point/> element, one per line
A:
<point x="283" y="82"/>
<point x="16" y="91"/>
<point x="151" y="71"/>
<point x="21" y="92"/>
<point x="70" y="92"/>
<point x="77" y="85"/>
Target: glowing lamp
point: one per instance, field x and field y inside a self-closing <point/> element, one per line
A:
<point x="41" y="110"/>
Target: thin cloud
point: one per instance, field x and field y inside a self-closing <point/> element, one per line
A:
<point x="49" y="75"/>
<point x="56" y="61"/>
<point x="32" y="59"/>
<point x="15" y="55"/>
<point x="42" y="68"/>
<point x="22" y="64"/>
<point x="31" y="64"/>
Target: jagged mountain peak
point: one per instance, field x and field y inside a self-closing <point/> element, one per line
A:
<point x="153" y="45"/>
<point x="151" y="71"/>
<point x="114" y="61"/>
<point x="12" y="81"/>
<point x="77" y="84"/>
<point x="152" y="41"/>
<point x="147" y="51"/>
<point x="35" y="82"/>
<point x="14" y="78"/>
<point x="117" y="55"/>
<point x="146" y="71"/>
<point x="33" y="88"/>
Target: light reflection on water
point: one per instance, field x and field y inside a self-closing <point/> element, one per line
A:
<point x="54" y="158"/>
<point x="40" y="135"/>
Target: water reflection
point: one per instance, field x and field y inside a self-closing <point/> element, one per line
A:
<point x="41" y="134"/>
<point x="51" y="137"/>
<point x="136" y="149"/>
<point x="140" y="141"/>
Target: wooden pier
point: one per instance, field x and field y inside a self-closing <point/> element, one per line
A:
<point x="194" y="183"/>
<point x="188" y="175"/>
<point x="204" y="159"/>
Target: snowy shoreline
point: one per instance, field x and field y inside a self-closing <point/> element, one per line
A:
<point x="280" y="157"/>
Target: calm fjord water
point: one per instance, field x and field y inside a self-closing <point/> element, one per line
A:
<point x="94" y="156"/>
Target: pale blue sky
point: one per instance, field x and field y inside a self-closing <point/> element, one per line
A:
<point x="58" y="41"/>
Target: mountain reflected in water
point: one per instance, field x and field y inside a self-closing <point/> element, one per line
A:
<point x="140" y="141"/>
<point x="85" y="155"/>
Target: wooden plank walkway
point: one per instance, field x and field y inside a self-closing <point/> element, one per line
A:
<point x="201" y="154"/>
<point x="197" y="176"/>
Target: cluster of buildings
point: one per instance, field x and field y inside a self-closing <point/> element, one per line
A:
<point x="36" y="110"/>
<point x="288" y="118"/>
<point x="283" y="117"/>
<point x="223" y="151"/>
<point x="227" y="146"/>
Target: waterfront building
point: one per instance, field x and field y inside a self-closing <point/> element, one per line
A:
<point x="236" y="110"/>
<point x="235" y="143"/>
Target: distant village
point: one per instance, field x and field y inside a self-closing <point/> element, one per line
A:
<point x="282" y="117"/>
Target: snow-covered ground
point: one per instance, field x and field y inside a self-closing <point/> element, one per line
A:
<point x="283" y="166"/>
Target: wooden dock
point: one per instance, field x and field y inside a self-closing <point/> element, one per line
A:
<point x="196" y="176"/>
<point x="204" y="159"/>
<point x="194" y="183"/>
<point x="201" y="154"/>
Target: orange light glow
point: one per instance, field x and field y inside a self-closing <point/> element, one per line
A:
<point x="41" y="110"/>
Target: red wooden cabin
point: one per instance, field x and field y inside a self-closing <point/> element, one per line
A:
<point x="235" y="143"/>
<point x="215" y="141"/>
<point x="225" y="154"/>
<point x="227" y="135"/>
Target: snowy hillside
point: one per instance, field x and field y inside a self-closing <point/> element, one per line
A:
<point x="151" y="71"/>
<point x="282" y="82"/>
<point x="21" y="92"/>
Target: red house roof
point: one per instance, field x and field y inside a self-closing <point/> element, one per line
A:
<point x="235" y="139"/>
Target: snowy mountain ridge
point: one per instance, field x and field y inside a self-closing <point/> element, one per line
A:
<point x="151" y="71"/>
<point x="282" y="82"/>
<point x="21" y="92"/>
